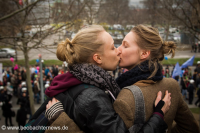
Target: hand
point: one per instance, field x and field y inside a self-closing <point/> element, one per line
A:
<point x="50" y="103"/>
<point x="166" y="99"/>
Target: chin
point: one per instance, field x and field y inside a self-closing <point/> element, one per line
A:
<point x="121" y="65"/>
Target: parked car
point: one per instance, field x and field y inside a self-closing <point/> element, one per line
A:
<point x="119" y="36"/>
<point x="7" y="52"/>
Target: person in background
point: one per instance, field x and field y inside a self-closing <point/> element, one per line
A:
<point x="198" y="67"/>
<point x="21" y="116"/>
<point x="36" y="90"/>
<point x="191" y="90"/>
<point x="1" y="83"/>
<point x="56" y="71"/>
<point x="198" y="100"/>
<point x="163" y="72"/>
<point x="47" y="70"/>
<point x="167" y="73"/>
<point x="184" y="87"/>
<point x="7" y="112"/>
<point x="9" y="91"/>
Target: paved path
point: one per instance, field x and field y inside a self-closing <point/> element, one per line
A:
<point x="51" y="54"/>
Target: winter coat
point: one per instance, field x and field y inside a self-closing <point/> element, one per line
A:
<point x="21" y="115"/>
<point x="6" y="109"/>
<point x="178" y="111"/>
<point x="93" y="112"/>
<point x="9" y="90"/>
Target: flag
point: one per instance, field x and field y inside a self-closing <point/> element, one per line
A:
<point x="188" y="62"/>
<point x="177" y="70"/>
<point x="20" y="2"/>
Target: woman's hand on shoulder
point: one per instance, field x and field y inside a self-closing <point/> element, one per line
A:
<point x="50" y="103"/>
<point x="163" y="104"/>
<point x="53" y="107"/>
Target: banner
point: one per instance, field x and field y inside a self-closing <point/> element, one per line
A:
<point x="189" y="62"/>
<point x="177" y="70"/>
<point x="1" y="74"/>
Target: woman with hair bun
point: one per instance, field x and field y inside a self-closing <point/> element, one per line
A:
<point x="90" y="54"/>
<point x="141" y="52"/>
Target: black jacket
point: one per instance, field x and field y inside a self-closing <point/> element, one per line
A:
<point x="93" y="112"/>
<point x="21" y="115"/>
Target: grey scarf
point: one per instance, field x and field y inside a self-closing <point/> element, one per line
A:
<point x="94" y="75"/>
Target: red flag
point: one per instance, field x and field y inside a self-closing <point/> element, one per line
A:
<point x="20" y="2"/>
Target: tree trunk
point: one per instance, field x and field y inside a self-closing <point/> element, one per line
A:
<point x="28" y="81"/>
<point x="167" y="30"/>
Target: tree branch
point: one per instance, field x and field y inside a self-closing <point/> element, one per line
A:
<point x="18" y="11"/>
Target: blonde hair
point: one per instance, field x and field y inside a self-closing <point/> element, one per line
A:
<point x="148" y="38"/>
<point x="85" y="43"/>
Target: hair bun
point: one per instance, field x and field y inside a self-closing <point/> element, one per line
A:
<point x="67" y="41"/>
<point x="64" y="50"/>
<point x="169" y="47"/>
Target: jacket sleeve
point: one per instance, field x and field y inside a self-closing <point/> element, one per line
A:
<point x="63" y="120"/>
<point x="155" y="124"/>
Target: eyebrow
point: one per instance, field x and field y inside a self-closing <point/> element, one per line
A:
<point x="124" y="42"/>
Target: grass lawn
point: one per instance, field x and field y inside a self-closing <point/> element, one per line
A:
<point x="195" y="110"/>
<point x="8" y="63"/>
<point x="57" y="62"/>
<point x="180" y="61"/>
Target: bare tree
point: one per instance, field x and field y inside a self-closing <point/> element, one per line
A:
<point x="151" y="6"/>
<point x="39" y="18"/>
<point x="138" y="15"/>
<point x="187" y="12"/>
<point x="115" y="12"/>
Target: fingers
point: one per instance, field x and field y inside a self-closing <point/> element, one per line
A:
<point x="159" y="97"/>
<point x="51" y="102"/>
<point x="167" y="100"/>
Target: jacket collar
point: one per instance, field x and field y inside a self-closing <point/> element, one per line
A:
<point x="145" y="82"/>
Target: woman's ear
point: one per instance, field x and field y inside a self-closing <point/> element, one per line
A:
<point x="145" y="54"/>
<point x="97" y="58"/>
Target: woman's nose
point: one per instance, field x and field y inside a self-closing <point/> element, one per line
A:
<point x="118" y="51"/>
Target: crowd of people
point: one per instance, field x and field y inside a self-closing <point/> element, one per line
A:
<point x="14" y="84"/>
<point x="190" y="84"/>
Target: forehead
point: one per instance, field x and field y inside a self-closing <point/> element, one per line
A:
<point x="130" y="37"/>
<point x="106" y="38"/>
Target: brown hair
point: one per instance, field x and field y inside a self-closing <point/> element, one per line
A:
<point x="85" y="43"/>
<point x="148" y="38"/>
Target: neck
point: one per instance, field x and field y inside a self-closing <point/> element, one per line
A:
<point x="132" y="66"/>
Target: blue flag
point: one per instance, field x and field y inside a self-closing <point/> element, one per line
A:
<point x="177" y="70"/>
<point x="189" y="62"/>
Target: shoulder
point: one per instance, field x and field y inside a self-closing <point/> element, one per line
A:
<point x="170" y="82"/>
<point x="91" y="99"/>
<point x="92" y="93"/>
